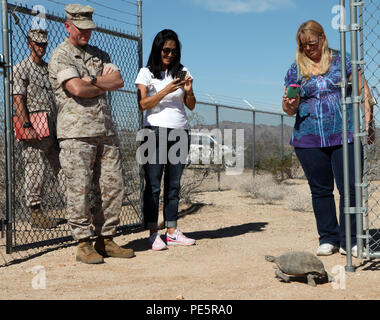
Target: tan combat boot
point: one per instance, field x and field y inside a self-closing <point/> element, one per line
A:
<point x="87" y="254"/>
<point x="39" y="220"/>
<point x="106" y="247"/>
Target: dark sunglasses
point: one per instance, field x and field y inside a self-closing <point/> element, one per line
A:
<point x="166" y="51"/>
<point x="41" y="44"/>
<point x="312" y="45"/>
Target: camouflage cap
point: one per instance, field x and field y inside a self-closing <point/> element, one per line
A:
<point x="38" y="35"/>
<point x="80" y="16"/>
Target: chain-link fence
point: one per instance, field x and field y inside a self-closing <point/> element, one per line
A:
<point x="37" y="216"/>
<point x="2" y="162"/>
<point x="265" y="134"/>
<point x="364" y="33"/>
<point x="368" y="18"/>
<point x="37" y="184"/>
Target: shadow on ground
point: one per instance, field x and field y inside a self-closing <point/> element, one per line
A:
<point x="228" y="232"/>
<point x="300" y="279"/>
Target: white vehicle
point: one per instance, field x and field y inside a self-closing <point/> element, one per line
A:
<point x="207" y="148"/>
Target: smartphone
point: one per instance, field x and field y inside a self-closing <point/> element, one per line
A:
<point x="293" y="91"/>
<point x="181" y="75"/>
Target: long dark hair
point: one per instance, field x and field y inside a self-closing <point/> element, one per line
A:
<point x="154" y="61"/>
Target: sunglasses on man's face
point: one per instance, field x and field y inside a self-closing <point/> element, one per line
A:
<point x="41" y="44"/>
<point x="166" y="51"/>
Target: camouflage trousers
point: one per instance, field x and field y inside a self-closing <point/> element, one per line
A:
<point x="92" y="167"/>
<point x="35" y="155"/>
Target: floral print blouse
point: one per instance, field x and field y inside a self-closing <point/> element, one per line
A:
<point x="319" y="118"/>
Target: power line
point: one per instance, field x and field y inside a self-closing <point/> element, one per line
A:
<point x="110" y="8"/>
<point x="57" y="2"/>
<point x="97" y="14"/>
<point x="113" y="19"/>
<point x="236" y="101"/>
<point x="129" y="2"/>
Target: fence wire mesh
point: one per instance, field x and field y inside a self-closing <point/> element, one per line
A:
<point x="369" y="50"/>
<point x="38" y="185"/>
<point x="2" y="161"/>
<point x="266" y="136"/>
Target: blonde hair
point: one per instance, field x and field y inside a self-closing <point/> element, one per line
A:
<point x="304" y="63"/>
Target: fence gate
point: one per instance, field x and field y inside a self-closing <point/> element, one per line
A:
<point x="368" y="18"/>
<point x="31" y="176"/>
<point x="364" y="33"/>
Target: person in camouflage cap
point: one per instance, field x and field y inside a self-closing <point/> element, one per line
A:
<point x="81" y="76"/>
<point x="32" y="92"/>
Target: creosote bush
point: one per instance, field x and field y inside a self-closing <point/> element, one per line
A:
<point x="263" y="187"/>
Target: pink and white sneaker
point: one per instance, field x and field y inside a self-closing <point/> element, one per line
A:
<point x="178" y="239"/>
<point x="156" y="242"/>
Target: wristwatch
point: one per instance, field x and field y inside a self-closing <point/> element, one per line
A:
<point x="27" y="124"/>
<point x="93" y="79"/>
<point x="372" y="101"/>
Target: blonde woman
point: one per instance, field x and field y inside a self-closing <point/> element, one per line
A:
<point x="317" y="133"/>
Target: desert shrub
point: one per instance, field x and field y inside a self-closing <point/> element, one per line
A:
<point x="265" y="188"/>
<point x="301" y="201"/>
<point x="191" y="182"/>
<point x="268" y="160"/>
<point x="280" y="169"/>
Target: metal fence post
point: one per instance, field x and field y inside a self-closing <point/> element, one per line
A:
<point x="8" y="127"/>
<point x="141" y="114"/>
<point x="253" y="134"/>
<point x="343" y="84"/>
<point x="356" y="115"/>
<point x="140" y="37"/>
<point x="217" y="125"/>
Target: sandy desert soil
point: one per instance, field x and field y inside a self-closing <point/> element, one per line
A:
<point x="233" y="232"/>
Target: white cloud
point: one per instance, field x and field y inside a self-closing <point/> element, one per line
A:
<point x="243" y="6"/>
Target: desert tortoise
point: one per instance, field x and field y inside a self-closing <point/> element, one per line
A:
<point x="299" y="263"/>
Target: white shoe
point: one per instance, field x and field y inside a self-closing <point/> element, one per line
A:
<point x="354" y="251"/>
<point x="156" y="243"/>
<point x="178" y="239"/>
<point x="326" y="249"/>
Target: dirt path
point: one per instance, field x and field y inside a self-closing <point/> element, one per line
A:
<point x="233" y="234"/>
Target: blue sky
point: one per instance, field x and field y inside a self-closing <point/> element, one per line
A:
<point x="235" y="49"/>
<point x="240" y="49"/>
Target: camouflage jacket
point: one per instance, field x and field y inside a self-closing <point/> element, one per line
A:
<point x="80" y="117"/>
<point x="31" y="80"/>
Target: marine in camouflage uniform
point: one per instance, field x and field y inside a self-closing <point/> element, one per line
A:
<point x="81" y="75"/>
<point x="32" y="92"/>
